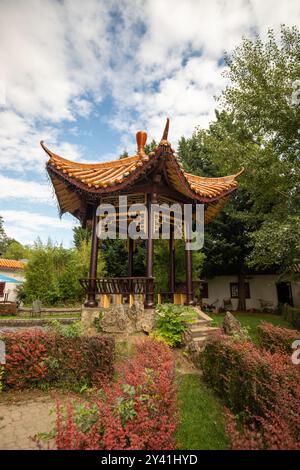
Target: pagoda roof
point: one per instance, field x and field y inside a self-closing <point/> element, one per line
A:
<point x="70" y="179"/>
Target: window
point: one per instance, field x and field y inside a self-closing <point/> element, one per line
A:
<point x="204" y="290"/>
<point x="2" y="287"/>
<point x="234" y="290"/>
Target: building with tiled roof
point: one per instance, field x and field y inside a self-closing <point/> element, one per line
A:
<point x="11" y="275"/>
<point x="77" y="182"/>
<point x="11" y="264"/>
<point x="80" y="187"/>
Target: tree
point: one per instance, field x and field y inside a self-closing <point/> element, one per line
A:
<point x="81" y="234"/>
<point x="16" y="250"/>
<point x="3" y="238"/>
<point x="262" y="95"/>
<point x="52" y="273"/>
<point x="161" y="263"/>
<point x="220" y="150"/>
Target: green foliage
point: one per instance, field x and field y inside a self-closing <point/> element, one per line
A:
<point x="172" y="321"/>
<point x="4" y="240"/>
<point x="68" y="331"/>
<point x="97" y="321"/>
<point x="161" y="263"/>
<point x="258" y="128"/>
<point x="262" y="77"/>
<point x="52" y="273"/>
<point x="16" y="250"/>
<point x="276" y="244"/>
<point x="81" y="235"/>
<point x="114" y="253"/>
<point x="292" y="315"/>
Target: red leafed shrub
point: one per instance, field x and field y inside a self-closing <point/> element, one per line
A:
<point x="236" y="370"/>
<point x="138" y="411"/>
<point x="274" y="338"/>
<point x="26" y="353"/>
<point x="261" y="390"/>
<point x="36" y="358"/>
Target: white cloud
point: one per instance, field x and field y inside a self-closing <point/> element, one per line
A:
<point x="180" y="54"/>
<point x="26" y="226"/>
<point x="13" y="188"/>
<point x="154" y="58"/>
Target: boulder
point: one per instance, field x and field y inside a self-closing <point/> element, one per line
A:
<point x="231" y="326"/>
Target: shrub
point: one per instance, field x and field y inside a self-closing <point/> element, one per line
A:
<point x="138" y="411"/>
<point x="37" y="358"/>
<point x="70" y="331"/>
<point x="261" y="389"/>
<point x="172" y="321"/>
<point x="292" y="315"/>
<point x="236" y="370"/>
<point x="274" y="338"/>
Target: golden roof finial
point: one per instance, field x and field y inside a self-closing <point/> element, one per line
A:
<point x="141" y="139"/>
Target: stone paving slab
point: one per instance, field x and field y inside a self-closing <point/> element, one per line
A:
<point x="23" y="418"/>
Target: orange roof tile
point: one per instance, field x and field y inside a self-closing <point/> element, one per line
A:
<point x="11" y="264"/>
<point x="115" y="175"/>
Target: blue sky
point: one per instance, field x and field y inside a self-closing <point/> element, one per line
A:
<point x="84" y="77"/>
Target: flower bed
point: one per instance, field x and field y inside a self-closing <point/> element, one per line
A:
<point x="138" y="411"/>
<point x="37" y="359"/>
<point x="261" y="390"/>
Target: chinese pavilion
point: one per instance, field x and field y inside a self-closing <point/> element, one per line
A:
<point x="154" y="178"/>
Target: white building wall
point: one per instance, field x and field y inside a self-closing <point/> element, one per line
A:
<point x="262" y="286"/>
<point x="11" y="287"/>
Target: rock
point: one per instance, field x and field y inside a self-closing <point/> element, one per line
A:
<point x="118" y="319"/>
<point x="231" y="326"/>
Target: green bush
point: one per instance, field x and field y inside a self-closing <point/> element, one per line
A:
<point x="172" y="321"/>
<point x="292" y="315"/>
<point x="70" y="331"/>
<point x="52" y="274"/>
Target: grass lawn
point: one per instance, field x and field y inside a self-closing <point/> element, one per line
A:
<point x="251" y="320"/>
<point x="201" y="414"/>
<point x="40" y="317"/>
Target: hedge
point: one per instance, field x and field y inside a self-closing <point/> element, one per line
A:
<point x="292" y="315"/>
<point x="274" y="338"/>
<point x="261" y="391"/>
<point x="36" y="359"/>
<point x="136" y="412"/>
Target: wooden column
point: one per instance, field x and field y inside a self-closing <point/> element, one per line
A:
<point x="91" y="297"/>
<point x="188" y="269"/>
<point x="189" y="277"/>
<point x="130" y="269"/>
<point x="130" y="256"/>
<point x="172" y="263"/>
<point x="149" y="298"/>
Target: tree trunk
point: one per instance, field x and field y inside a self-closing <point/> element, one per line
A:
<point x="242" y="291"/>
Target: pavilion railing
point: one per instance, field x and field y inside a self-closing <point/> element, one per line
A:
<point x="118" y="285"/>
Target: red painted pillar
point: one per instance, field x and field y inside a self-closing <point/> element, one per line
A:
<point x="91" y="296"/>
<point x="172" y="263"/>
<point x="149" y="297"/>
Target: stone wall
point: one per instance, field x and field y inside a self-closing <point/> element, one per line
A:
<point x="117" y="319"/>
